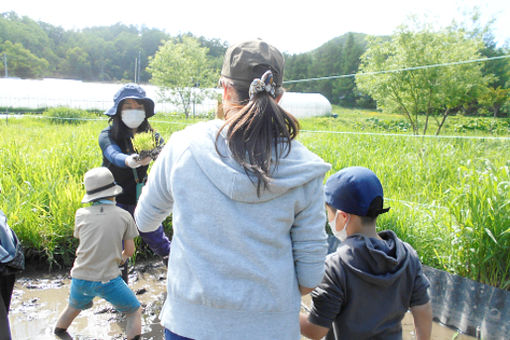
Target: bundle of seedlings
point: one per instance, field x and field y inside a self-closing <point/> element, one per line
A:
<point x="145" y="145"/>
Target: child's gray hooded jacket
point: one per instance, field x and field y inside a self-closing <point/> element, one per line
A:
<point x="368" y="286"/>
<point x="237" y="259"/>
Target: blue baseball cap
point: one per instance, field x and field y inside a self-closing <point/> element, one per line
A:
<point x="355" y="190"/>
<point x="131" y="91"/>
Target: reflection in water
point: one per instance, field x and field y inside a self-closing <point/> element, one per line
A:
<point x="38" y="300"/>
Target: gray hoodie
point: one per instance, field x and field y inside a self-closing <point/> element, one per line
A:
<point x="236" y="259"/>
<point x="368" y="286"/>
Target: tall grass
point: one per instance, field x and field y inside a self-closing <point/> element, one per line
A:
<point x="42" y="167"/>
<point x="449" y="198"/>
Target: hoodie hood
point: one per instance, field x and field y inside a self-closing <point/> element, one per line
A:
<point x="376" y="261"/>
<point x="295" y="169"/>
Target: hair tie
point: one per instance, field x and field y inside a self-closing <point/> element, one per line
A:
<point x="265" y="83"/>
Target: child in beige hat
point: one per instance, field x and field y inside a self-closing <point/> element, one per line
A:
<point x="102" y="228"/>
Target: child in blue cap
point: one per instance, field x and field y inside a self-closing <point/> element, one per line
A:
<point x="373" y="278"/>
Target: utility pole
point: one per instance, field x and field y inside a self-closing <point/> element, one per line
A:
<point x="139" y="65"/>
<point x="136" y="68"/>
<point x="5" y="66"/>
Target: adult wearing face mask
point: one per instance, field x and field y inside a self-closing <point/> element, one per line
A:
<point x="129" y="116"/>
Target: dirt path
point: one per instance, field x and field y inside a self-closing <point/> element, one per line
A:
<point x="39" y="298"/>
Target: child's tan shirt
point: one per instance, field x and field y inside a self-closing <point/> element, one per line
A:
<point x="101" y="229"/>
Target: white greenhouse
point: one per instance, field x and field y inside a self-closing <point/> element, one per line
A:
<point x="49" y="92"/>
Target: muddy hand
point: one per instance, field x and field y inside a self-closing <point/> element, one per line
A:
<point x="132" y="161"/>
<point x="145" y="161"/>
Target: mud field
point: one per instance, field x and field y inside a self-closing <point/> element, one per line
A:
<point x="38" y="299"/>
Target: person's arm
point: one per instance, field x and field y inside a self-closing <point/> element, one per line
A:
<point x="309" y="239"/>
<point x="305" y="290"/>
<point x="327" y="301"/>
<point x="111" y="151"/>
<point x="129" y="250"/>
<point x="422" y="316"/>
<point x="156" y="201"/>
<point x="311" y="330"/>
<point x="157" y="241"/>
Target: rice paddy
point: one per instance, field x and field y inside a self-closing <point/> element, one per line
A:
<point x="449" y="197"/>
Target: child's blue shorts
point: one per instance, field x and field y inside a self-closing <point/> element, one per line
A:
<point x="115" y="291"/>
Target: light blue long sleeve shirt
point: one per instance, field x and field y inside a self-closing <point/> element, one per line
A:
<point x="237" y="259"/>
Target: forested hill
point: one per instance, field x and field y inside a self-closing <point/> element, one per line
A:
<point x="336" y="57"/>
<point x="120" y="52"/>
<point x="37" y="49"/>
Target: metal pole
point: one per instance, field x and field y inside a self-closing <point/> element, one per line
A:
<point x="136" y="67"/>
<point x="139" y="64"/>
<point x="5" y="66"/>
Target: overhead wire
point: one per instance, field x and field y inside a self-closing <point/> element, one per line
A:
<point x="395" y="70"/>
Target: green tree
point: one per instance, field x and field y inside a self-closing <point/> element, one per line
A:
<point x="21" y="62"/>
<point x="433" y="92"/>
<point x="77" y="63"/>
<point x="30" y="35"/>
<point x="494" y="99"/>
<point x="182" y="71"/>
<point x="338" y="56"/>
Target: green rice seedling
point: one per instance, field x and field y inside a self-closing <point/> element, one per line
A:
<point x="42" y="167"/>
<point x="144" y="141"/>
<point x="449" y="198"/>
<point x="425" y="182"/>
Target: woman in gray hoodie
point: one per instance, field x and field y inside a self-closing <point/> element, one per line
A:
<point x="247" y="207"/>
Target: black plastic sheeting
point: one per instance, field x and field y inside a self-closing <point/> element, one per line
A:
<point x="468" y="306"/>
<point x="471" y="307"/>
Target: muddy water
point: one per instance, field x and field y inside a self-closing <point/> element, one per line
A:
<point x="39" y="298"/>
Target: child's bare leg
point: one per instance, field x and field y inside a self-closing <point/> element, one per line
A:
<point x="66" y="318"/>
<point x="134" y="323"/>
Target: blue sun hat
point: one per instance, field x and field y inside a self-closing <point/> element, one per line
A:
<point x="131" y="91"/>
<point x="355" y="190"/>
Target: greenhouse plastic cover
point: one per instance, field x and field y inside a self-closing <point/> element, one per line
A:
<point x="471" y="307"/>
<point x="49" y="92"/>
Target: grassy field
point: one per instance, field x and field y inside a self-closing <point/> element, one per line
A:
<point x="449" y="197"/>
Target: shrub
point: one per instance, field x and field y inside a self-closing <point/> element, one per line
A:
<point x="66" y="115"/>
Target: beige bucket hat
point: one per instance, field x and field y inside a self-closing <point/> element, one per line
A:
<point x="99" y="183"/>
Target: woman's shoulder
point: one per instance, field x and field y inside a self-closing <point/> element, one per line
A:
<point x="198" y="131"/>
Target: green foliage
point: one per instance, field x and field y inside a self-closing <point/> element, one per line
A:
<point x="338" y="56"/>
<point x="491" y="126"/>
<point x="389" y="125"/>
<point x="95" y="54"/>
<point x="434" y="92"/>
<point x="42" y="166"/>
<point x="21" y="62"/>
<point x="144" y="141"/>
<point x="66" y="115"/>
<point x="495" y="99"/>
<point x="480" y="207"/>
<point x="182" y="70"/>
<point x="449" y="197"/>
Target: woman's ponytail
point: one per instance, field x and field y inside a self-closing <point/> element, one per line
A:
<point x="257" y="127"/>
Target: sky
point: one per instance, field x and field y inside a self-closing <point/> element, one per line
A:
<point x="292" y="26"/>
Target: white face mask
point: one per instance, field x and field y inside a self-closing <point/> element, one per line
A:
<point x="342" y="234"/>
<point x="133" y="118"/>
